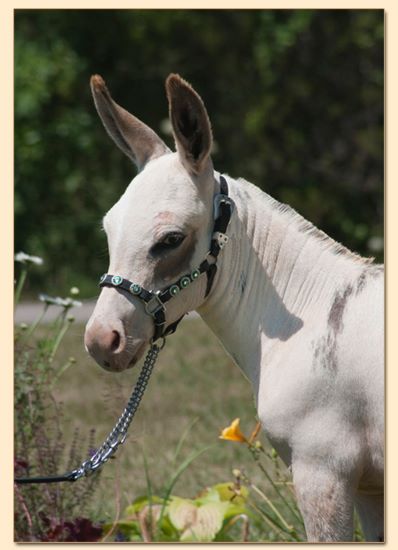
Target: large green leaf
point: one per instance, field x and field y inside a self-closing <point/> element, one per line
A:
<point x="197" y="523"/>
<point x="182" y="512"/>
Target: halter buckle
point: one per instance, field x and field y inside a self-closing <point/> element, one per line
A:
<point x="154" y="305"/>
<point x="220" y="238"/>
<point x="222" y="199"/>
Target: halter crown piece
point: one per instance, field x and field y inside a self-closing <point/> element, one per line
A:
<point x="155" y="300"/>
<point x="154" y="306"/>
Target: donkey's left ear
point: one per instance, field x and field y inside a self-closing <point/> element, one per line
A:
<point x="190" y="122"/>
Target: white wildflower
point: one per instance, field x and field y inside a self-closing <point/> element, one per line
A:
<point x="57" y="301"/>
<point x="25" y="258"/>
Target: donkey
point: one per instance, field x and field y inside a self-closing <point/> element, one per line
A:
<point x="301" y="315"/>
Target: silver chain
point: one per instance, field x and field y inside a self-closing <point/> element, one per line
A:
<point x="119" y="433"/>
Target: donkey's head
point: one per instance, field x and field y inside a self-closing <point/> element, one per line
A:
<point x="161" y="226"/>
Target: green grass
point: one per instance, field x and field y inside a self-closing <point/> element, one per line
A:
<point x="194" y="392"/>
<point x="194" y="381"/>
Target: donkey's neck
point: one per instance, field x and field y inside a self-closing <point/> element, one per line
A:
<point x="274" y="270"/>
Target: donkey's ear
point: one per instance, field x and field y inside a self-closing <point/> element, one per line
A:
<point x="134" y="138"/>
<point x="190" y="122"/>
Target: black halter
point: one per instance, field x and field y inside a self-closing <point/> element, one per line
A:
<point x="155" y="301"/>
<point x="154" y="306"/>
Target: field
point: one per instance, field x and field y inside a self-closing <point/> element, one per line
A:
<point x="195" y="391"/>
<point x="194" y="383"/>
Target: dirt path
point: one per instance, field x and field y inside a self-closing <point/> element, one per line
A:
<point x="28" y="312"/>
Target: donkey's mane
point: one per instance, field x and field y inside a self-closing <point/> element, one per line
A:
<point x="305" y="226"/>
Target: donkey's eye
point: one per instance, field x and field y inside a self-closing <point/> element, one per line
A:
<point x="169" y="242"/>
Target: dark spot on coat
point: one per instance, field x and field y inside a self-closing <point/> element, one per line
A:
<point x="335" y="319"/>
<point x="373" y="272"/>
<point x="361" y="282"/>
<point x="325" y="353"/>
<point x="325" y="349"/>
<point x="177" y="262"/>
<point x="242" y="282"/>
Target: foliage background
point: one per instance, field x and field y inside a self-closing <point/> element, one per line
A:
<point x="295" y="98"/>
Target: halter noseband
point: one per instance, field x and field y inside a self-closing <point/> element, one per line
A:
<point x="155" y="301"/>
<point x="154" y="306"/>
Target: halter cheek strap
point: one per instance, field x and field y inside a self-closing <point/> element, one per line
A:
<point x="155" y="301"/>
<point x="154" y="306"/>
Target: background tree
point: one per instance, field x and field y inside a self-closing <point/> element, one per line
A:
<point x="295" y="98"/>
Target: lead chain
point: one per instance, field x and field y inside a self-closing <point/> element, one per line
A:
<point x="119" y="433"/>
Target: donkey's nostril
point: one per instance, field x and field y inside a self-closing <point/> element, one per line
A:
<point x="106" y="342"/>
<point x="115" y="340"/>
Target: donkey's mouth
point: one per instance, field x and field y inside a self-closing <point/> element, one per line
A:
<point x="122" y="361"/>
<point x="137" y="356"/>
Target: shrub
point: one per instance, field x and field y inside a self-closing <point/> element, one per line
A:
<point x="46" y="512"/>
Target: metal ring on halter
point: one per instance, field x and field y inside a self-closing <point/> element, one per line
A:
<point x="154" y="306"/>
<point x="152" y="342"/>
<point x="154" y="301"/>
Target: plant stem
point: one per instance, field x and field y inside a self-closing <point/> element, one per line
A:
<point x="33" y="327"/>
<point x="287" y="527"/>
<point x="20" y="285"/>
<point x="59" y="337"/>
<point x="259" y="464"/>
<point x="117" y="504"/>
<point x="245" y="526"/>
<point x="175" y="477"/>
<point x="25" y="509"/>
<point x="268" y="519"/>
<point x="55" y="379"/>
<point x="183" y="437"/>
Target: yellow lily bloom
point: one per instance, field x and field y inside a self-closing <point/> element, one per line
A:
<point x="233" y="432"/>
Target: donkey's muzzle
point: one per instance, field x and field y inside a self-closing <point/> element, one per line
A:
<point x="106" y="342"/>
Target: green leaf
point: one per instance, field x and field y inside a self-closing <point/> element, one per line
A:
<point x="209" y="495"/>
<point x="227" y="494"/>
<point x="178" y="473"/>
<point x="140" y="502"/>
<point x="207" y="523"/>
<point x="182" y="512"/>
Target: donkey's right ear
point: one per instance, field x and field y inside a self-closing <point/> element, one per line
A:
<point x="134" y="138"/>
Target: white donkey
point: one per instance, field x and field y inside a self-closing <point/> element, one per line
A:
<point x="301" y="315"/>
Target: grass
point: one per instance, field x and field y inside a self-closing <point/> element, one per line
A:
<point x="194" y="383"/>
<point x="173" y="446"/>
<point x="194" y="392"/>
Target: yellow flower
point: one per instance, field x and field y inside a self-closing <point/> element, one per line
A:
<point x="233" y="432"/>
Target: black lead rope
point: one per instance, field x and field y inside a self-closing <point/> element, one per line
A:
<point x="49" y="479"/>
<point x="154" y="306"/>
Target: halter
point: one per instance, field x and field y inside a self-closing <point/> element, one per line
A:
<point x="155" y="300"/>
<point x="154" y="306"/>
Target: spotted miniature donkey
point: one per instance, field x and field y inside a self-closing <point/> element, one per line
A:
<point x="301" y="315"/>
